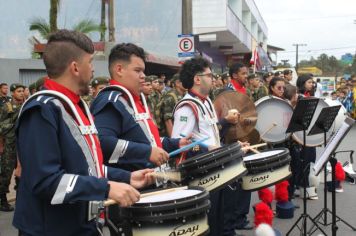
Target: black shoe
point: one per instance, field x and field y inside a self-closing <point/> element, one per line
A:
<point x="6" y="207"/>
<point x="245" y="227"/>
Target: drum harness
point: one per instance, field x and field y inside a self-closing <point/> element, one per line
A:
<point x="211" y="117"/>
<point x="94" y="207"/>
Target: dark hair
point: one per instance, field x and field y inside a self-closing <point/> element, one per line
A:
<point x="235" y="68"/>
<point x="318" y="80"/>
<point x="301" y="81"/>
<point x="272" y="83"/>
<point x="190" y="68"/>
<point x="63" y="47"/>
<point x="289" y="91"/>
<point x="124" y="51"/>
<point x="3" y="84"/>
<point x="287" y="72"/>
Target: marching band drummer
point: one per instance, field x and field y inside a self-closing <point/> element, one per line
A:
<point x="195" y="114"/>
<point x="277" y="88"/>
<point x="127" y="132"/>
<point x="59" y="150"/>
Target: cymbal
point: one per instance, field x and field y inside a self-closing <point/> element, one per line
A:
<point x="228" y="100"/>
<point x="253" y="137"/>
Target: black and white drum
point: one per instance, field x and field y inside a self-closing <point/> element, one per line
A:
<point x="318" y="139"/>
<point x="266" y="168"/>
<point x="215" y="169"/>
<point x="178" y="211"/>
<point x="273" y="116"/>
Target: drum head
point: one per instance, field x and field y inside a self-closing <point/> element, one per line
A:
<point x="169" y="196"/>
<point x="263" y="155"/>
<point x="273" y="119"/>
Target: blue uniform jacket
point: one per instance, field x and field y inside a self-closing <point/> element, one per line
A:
<point x="122" y="139"/>
<point x="55" y="186"/>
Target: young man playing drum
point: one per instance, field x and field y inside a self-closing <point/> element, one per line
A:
<point x="60" y="153"/>
<point x="195" y="114"/>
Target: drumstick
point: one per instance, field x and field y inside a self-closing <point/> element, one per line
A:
<point x="254" y="146"/>
<point x="258" y="145"/>
<point x="269" y="129"/>
<point x="113" y="202"/>
<point x="169" y="175"/>
<point x="254" y="150"/>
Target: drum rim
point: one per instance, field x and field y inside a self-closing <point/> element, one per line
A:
<point x="202" y="193"/>
<point x="202" y="158"/>
<point x="271" y="166"/>
<point x="232" y="158"/>
<point x="181" y="202"/>
<point x="272" y="158"/>
<point x="191" y="211"/>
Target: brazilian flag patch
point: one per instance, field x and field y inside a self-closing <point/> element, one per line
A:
<point x="183" y="118"/>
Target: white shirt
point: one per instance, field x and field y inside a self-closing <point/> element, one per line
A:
<point x="185" y="122"/>
<point x="319" y="90"/>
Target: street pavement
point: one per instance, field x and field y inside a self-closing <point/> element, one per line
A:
<point x="345" y="204"/>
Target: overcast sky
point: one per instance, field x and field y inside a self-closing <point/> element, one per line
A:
<point x="326" y="26"/>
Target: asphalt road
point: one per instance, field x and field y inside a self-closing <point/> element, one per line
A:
<point x="345" y="204"/>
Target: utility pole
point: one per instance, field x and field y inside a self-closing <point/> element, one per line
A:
<point x="187" y="17"/>
<point x="111" y="21"/>
<point x="103" y="20"/>
<point x="296" y="54"/>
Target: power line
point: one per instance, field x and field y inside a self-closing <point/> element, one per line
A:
<point x="321" y="49"/>
<point x="310" y="18"/>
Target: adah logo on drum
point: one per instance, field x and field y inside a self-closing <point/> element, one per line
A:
<point x="259" y="179"/>
<point x="188" y="230"/>
<point x="210" y="180"/>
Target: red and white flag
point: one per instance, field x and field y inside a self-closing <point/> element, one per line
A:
<point x="254" y="57"/>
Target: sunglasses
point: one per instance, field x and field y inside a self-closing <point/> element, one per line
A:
<point x="281" y="88"/>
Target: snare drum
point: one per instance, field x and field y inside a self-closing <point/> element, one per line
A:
<point x="318" y="139"/>
<point x="176" y="212"/>
<point x="215" y="169"/>
<point x="266" y="168"/>
<point x="273" y="116"/>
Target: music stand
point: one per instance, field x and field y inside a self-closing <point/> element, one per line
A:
<point x="329" y="155"/>
<point x="322" y="125"/>
<point x="300" y="121"/>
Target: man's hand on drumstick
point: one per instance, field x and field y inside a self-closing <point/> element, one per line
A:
<point x="186" y="140"/>
<point x="233" y="116"/>
<point x="142" y="178"/>
<point x="244" y="146"/>
<point x="158" y="156"/>
<point x="125" y="195"/>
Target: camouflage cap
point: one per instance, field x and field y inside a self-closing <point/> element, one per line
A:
<point x="148" y="79"/>
<point x="153" y="77"/>
<point x="252" y="76"/>
<point x="15" y="86"/>
<point x="225" y="75"/>
<point x="175" y="77"/>
<point x="99" y="81"/>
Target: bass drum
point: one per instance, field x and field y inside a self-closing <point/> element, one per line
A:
<point x="318" y="139"/>
<point x="273" y="116"/>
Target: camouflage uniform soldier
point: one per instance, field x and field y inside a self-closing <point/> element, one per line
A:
<point x="97" y="84"/>
<point x="255" y="90"/>
<point x="147" y="91"/>
<point x="4" y="88"/>
<point x="8" y="116"/>
<point x="164" y="109"/>
<point x="156" y="95"/>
